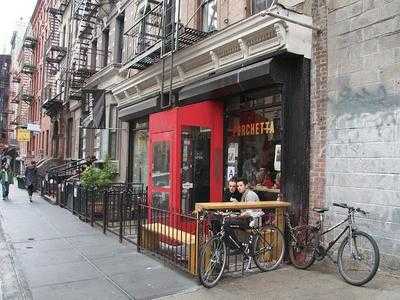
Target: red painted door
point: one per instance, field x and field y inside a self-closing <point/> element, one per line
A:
<point x="160" y="175"/>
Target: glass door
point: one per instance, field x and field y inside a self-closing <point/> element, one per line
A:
<point x="160" y="171"/>
<point x="195" y="168"/>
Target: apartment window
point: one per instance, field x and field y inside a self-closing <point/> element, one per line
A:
<point x="47" y="142"/>
<point x="70" y="123"/>
<point x="105" y="40"/>
<point x="82" y="143"/>
<point x="112" y="145"/>
<point x="260" y="5"/>
<point x="93" y="55"/>
<point x="42" y="146"/>
<point x="97" y="143"/>
<point x="64" y="32"/>
<point x="209" y="15"/>
<point x="142" y="42"/>
<point x="120" y="37"/>
<point x="76" y="28"/>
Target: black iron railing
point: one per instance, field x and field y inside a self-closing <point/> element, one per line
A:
<point x="123" y="210"/>
<point x="114" y="208"/>
<point x="48" y="187"/>
<point x="173" y="237"/>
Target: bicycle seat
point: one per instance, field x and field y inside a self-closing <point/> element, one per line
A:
<point x="320" y="210"/>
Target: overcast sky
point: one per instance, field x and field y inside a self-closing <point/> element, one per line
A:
<point x="11" y="12"/>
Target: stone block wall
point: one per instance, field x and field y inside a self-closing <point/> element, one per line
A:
<point x="363" y="118"/>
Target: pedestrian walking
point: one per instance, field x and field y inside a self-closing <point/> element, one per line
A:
<point x="30" y="179"/>
<point x="6" y="178"/>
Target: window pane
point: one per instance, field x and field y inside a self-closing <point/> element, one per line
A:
<point x="160" y="200"/>
<point x="260" y="5"/>
<point x="113" y="124"/>
<point x="253" y="142"/>
<point x="140" y="157"/>
<point x="210" y="16"/>
<point x="161" y="173"/>
<point x="195" y="166"/>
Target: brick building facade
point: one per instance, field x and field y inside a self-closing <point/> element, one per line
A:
<point x="39" y="146"/>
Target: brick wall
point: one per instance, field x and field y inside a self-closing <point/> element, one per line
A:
<point x="363" y="132"/>
<point x="318" y="104"/>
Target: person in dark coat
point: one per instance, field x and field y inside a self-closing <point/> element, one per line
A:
<point x="6" y="178"/>
<point x="232" y="194"/>
<point x="30" y="179"/>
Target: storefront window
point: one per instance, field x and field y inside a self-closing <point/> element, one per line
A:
<point x="113" y="124"/>
<point x="195" y="166"/>
<point x="254" y="141"/>
<point x="140" y="138"/>
<point x="161" y="170"/>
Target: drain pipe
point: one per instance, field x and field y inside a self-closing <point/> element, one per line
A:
<point x="275" y="15"/>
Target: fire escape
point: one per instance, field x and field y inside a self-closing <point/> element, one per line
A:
<point x="27" y="68"/>
<point x="4" y="98"/>
<point x="86" y="13"/>
<point x="158" y="34"/>
<point x="55" y="52"/>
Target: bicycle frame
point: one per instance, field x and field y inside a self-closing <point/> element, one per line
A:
<point x="349" y="228"/>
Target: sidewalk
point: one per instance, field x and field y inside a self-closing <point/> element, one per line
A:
<point x="47" y="253"/>
<point x="319" y="282"/>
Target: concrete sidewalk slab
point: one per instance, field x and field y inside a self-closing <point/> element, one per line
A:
<point x="92" y="289"/>
<point x="319" y="282"/>
<point x="60" y="257"/>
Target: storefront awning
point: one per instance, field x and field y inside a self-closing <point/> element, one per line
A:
<point x="137" y="110"/>
<point x="230" y="83"/>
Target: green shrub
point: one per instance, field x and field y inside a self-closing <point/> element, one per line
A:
<point x="93" y="177"/>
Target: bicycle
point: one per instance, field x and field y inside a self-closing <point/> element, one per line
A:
<point x="305" y="246"/>
<point x="265" y="245"/>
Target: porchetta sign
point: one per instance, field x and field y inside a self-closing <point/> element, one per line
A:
<point x="254" y="128"/>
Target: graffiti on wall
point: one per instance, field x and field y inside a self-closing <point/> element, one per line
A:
<point x="373" y="105"/>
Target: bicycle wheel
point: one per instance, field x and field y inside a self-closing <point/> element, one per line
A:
<point x="358" y="261"/>
<point x="212" y="261"/>
<point x="269" y="248"/>
<point x="302" y="247"/>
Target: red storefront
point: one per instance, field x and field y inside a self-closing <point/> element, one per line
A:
<point x="251" y="122"/>
<point x="185" y="144"/>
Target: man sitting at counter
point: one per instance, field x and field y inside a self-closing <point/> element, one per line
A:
<point x="248" y="217"/>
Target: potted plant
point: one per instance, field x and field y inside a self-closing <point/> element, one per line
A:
<point x="95" y="179"/>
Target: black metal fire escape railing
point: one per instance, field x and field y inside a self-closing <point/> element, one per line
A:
<point x="27" y="62"/>
<point x="55" y="53"/>
<point x="155" y="26"/>
<point x="86" y="13"/>
<point x="26" y="69"/>
<point x="158" y="34"/>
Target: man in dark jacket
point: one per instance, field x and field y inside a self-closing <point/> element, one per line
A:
<point x="232" y="194"/>
<point x="6" y="178"/>
<point x="30" y="179"/>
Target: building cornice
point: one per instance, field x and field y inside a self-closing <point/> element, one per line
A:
<point x="103" y="75"/>
<point x="256" y="36"/>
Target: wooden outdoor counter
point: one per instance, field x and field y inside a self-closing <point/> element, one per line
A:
<point x="240" y="205"/>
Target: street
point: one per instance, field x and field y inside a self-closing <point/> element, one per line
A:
<point x="47" y="253"/>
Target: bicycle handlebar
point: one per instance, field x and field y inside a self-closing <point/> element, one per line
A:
<point x="350" y="208"/>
